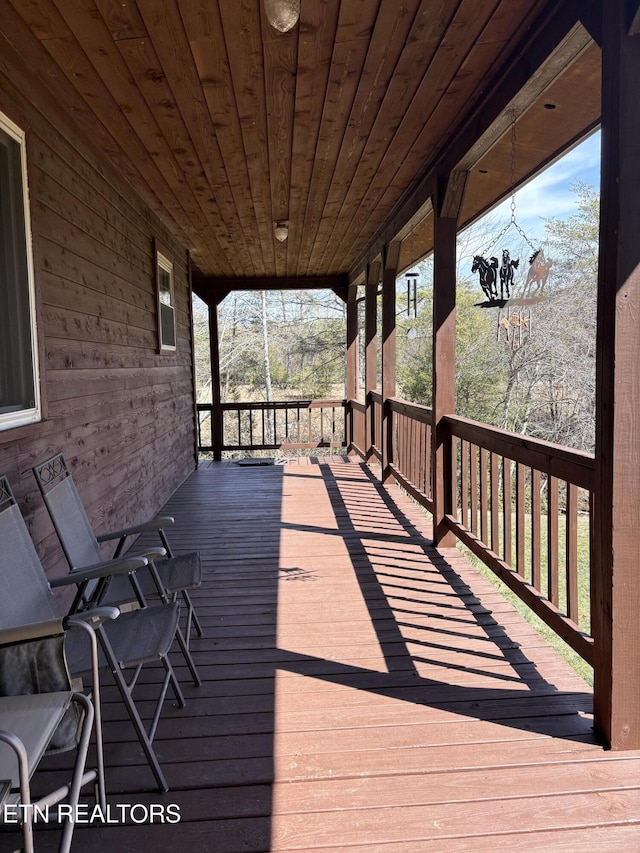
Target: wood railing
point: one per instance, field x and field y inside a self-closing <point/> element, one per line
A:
<point x="411" y="449"/>
<point x="286" y="425"/>
<point x="357" y="437"/>
<point x="521" y="505"/>
<point x="365" y="426"/>
<point x="375" y="415"/>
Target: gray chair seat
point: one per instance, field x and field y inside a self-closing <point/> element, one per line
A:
<point x="138" y="637"/>
<point x="183" y="571"/>
<point x="33" y="719"/>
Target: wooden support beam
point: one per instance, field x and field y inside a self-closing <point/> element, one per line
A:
<point x="193" y="358"/>
<point x="444" y="365"/>
<point x="353" y="338"/>
<point x="391" y="256"/>
<point x="541" y="56"/>
<point x="213" y="290"/>
<point x="216" y="414"/>
<point x="371" y="350"/>
<point x="454" y="194"/>
<point x="615" y="578"/>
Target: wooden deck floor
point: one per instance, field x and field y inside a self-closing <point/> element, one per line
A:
<point x="362" y="692"/>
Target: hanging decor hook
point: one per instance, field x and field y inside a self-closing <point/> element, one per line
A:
<point x="496" y="277"/>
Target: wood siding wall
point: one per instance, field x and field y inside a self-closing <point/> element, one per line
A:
<point x="122" y="414"/>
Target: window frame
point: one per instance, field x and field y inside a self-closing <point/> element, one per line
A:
<point x="31" y="414"/>
<point x="164" y="263"/>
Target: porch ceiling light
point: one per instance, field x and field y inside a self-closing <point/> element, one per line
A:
<point x="282" y="14"/>
<point x="281" y="231"/>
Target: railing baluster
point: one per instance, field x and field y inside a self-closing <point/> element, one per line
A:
<point x="536" y="574"/>
<point x="427" y="459"/>
<point x="495" y="503"/>
<point x="572" y="552"/>
<point x="507" y="549"/>
<point x="474" y="488"/>
<point x="552" y="542"/>
<point x="520" y="518"/>
<point x="413" y="459"/>
<point x="455" y="449"/>
<point x="464" y="483"/>
<point x="483" y="496"/>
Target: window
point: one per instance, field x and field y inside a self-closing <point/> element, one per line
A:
<point x="19" y="381"/>
<point x="166" y="308"/>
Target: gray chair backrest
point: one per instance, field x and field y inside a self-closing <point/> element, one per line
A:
<point x="37" y="666"/>
<point x="67" y="513"/>
<point x="25" y="595"/>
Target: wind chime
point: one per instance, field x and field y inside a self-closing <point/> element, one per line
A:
<point x="412" y="296"/>
<point x="496" y="277"/>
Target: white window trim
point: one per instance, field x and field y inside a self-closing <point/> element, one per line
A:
<point x="8" y="420"/>
<point x="164" y="263"/>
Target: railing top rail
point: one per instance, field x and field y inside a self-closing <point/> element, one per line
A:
<point x="277" y="404"/>
<point x="358" y="406"/>
<point x="412" y="410"/>
<point x="574" y="466"/>
<point x="376" y="396"/>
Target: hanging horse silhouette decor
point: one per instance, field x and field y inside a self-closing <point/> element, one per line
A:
<point x="487" y="270"/>
<point x="497" y="278"/>
<point x="538" y="274"/>
<point x="498" y="284"/>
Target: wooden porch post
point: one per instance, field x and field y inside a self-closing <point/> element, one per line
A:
<point x="390" y="259"/>
<point x="351" y="381"/>
<point x="216" y="414"/>
<point x="615" y="575"/>
<point x="444" y="353"/>
<point x="371" y="350"/>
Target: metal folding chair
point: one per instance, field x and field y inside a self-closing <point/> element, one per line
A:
<point x="164" y="578"/>
<point x="39" y="711"/>
<point x="134" y="639"/>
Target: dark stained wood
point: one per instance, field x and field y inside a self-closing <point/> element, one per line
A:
<point x="361" y="690"/>
<point x="353" y="353"/>
<point x="553" y="572"/>
<point x="560" y="462"/>
<point x="454" y="194"/>
<point x="421" y="414"/>
<point x="217" y="437"/>
<point x="371" y="347"/>
<point x="389" y="273"/>
<point x="119" y="411"/>
<point x="223" y="125"/>
<point x="537" y="53"/>
<point x="617" y="593"/>
<point x="212" y="290"/>
<point x="444" y="366"/>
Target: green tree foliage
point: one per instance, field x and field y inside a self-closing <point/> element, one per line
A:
<point x="306" y="340"/>
<point x="477" y="383"/>
<point x="544" y="385"/>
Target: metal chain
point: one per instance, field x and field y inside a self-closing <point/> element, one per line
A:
<point x="513" y="195"/>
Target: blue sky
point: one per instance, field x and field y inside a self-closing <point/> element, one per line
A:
<point x="549" y="195"/>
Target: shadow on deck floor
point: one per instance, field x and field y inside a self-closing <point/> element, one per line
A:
<point x="362" y="691"/>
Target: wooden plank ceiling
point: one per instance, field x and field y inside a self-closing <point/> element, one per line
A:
<point x="225" y="125"/>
